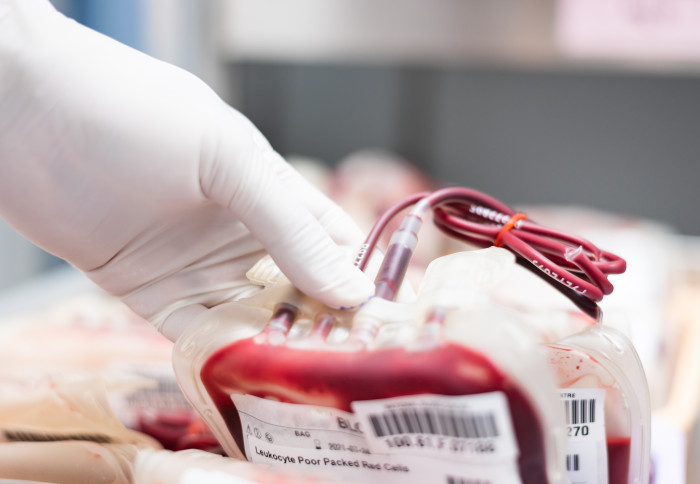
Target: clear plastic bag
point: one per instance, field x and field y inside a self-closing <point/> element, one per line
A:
<point x="607" y="403"/>
<point x="273" y="390"/>
<point x="277" y="372"/>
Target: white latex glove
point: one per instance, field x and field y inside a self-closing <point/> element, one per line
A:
<point x="136" y="173"/>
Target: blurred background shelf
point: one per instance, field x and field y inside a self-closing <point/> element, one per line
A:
<point x="570" y="102"/>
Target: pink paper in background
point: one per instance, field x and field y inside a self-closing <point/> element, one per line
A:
<point x="629" y="29"/>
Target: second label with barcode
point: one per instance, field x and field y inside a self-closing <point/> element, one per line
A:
<point x="586" y="452"/>
<point x="466" y="428"/>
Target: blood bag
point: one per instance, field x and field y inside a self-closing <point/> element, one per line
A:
<point x="454" y="386"/>
<point x="450" y="385"/>
<point x="601" y="381"/>
<point x="606" y="399"/>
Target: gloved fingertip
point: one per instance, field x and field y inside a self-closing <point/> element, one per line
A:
<point x="352" y="294"/>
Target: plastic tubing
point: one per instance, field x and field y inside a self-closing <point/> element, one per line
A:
<point x="573" y="265"/>
<point x="398" y="255"/>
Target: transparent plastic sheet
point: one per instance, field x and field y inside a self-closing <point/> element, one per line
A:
<point x="62" y="430"/>
<point x="451" y="342"/>
<point x="99" y="335"/>
<point x="602" y="384"/>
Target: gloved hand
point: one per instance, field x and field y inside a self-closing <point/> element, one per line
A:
<point x="136" y="173"/>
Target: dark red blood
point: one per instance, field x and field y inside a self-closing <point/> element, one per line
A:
<point x="618" y="460"/>
<point x="344" y="377"/>
<point x="178" y="430"/>
<point x="166" y="427"/>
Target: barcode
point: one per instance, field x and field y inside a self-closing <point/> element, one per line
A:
<point x="462" y="480"/>
<point x="580" y="411"/>
<point x="572" y="462"/>
<point x="435" y="422"/>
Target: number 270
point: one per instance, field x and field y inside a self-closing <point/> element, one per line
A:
<point x="577" y="430"/>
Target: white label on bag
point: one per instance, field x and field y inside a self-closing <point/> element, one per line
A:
<point x="330" y="442"/>
<point x="586" y="450"/>
<point x="472" y="428"/>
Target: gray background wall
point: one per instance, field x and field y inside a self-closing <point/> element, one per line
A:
<point x="626" y="142"/>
